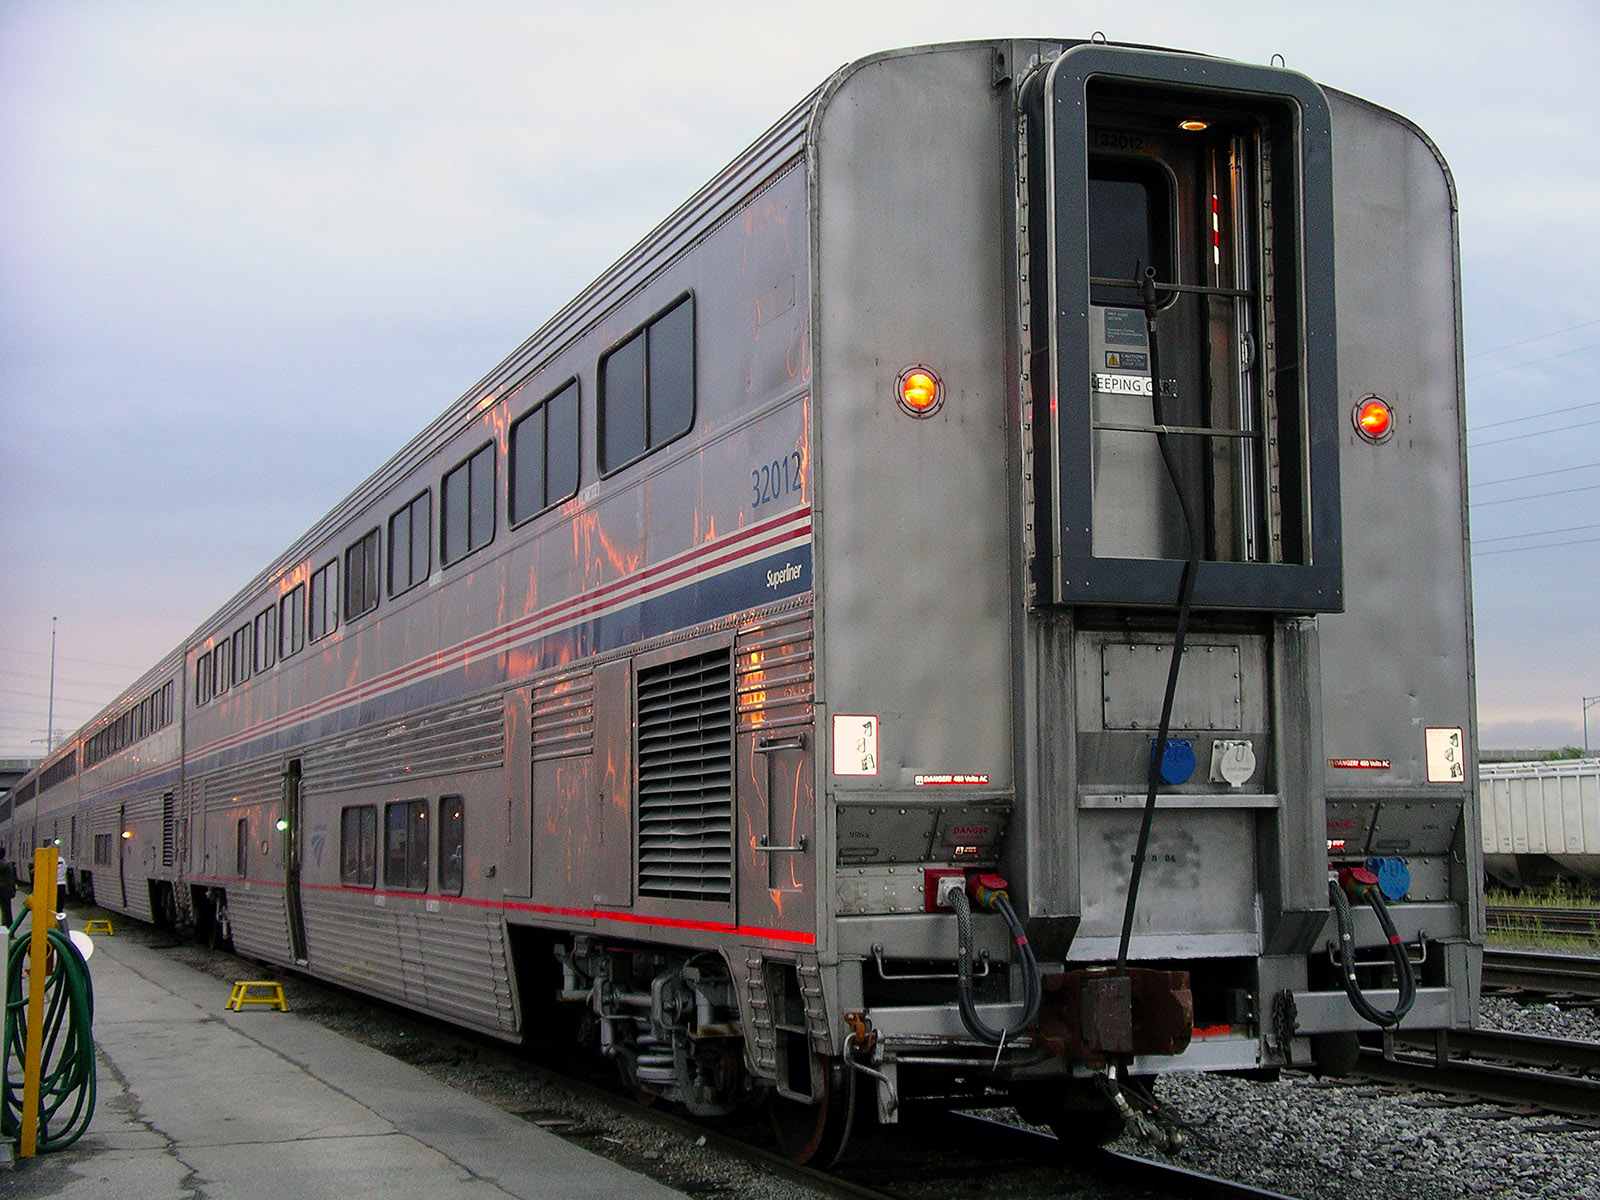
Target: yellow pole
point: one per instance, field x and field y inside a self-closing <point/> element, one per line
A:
<point x="43" y="904"/>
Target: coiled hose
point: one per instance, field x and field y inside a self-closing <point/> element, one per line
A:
<point x="1347" y="953"/>
<point x="998" y="901"/>
<point x="67" y="1069"/>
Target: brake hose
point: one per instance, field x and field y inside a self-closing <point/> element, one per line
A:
<point x="1364" y="884"/>
<point x="991" y="894"/>
<point x="67" y="1068"/>
<point x="1191" y="567"/>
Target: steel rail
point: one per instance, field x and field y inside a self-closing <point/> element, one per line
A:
<point x="1542" y="972"/>
<point x="1120" y="1167"/>
<point x="1493" y="1082"/>
<point x="1582" y="922"/>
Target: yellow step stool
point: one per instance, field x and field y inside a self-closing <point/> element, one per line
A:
<point x="99" y="925"/>
<point x="272" y="994"/>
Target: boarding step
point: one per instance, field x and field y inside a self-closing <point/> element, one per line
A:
<point x="257" y="991"/>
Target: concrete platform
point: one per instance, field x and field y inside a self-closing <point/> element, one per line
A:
<point x="196" y="1101"/>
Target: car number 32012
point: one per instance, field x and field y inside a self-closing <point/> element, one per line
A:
<point x="775" y="480"/>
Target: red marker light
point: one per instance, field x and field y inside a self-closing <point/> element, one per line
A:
<point x="921" y="393"/>
<point x="1374" y="419"/>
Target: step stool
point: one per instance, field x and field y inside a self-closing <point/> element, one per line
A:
<point x="99" y="925"/>
<point x="272" y="994"/>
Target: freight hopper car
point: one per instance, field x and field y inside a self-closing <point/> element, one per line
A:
<point x="1541" y="821"/>
<point x="935" y="615"/>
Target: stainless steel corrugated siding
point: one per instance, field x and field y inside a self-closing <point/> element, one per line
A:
<point x="452" y="963"/>
<point x="466" y="737"/>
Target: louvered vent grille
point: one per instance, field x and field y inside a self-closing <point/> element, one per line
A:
<point x="686" y="778"/>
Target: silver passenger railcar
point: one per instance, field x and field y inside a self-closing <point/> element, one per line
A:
<point x="937" y="613"/>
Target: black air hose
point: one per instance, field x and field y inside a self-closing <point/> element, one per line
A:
<point x="996" y="900"/>
<point x="1191" y="567"/>
<point x="1347" y="950"/>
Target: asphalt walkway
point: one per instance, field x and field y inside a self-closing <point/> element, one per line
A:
<point x="200" y="1103"/>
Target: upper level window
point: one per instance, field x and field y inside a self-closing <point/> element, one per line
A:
<point x="241" y="653"/>
<point x="361" y="577"/>
<point x="544" y="454"/>
<point x="647" y="388"/>
<point x="292" y="621"/>
<point x="410" y="543"/>
<point x="222" y="657"/>
<point x="467" y="498"/>
<point x="202" y="679"/>
<point x="266" y="638"/>
<point x="323" y="616"/>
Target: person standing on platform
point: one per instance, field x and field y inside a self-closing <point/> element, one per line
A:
<point x="8" y="886"/>
<point x="61" y="888"/>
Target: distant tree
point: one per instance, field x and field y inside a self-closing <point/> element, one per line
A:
<point x="1564" y="752"/>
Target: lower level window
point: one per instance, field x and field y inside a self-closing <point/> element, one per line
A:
<point x="405" y="845"/>
<point x="452" y="845"/>
<point x="358" y="846"/>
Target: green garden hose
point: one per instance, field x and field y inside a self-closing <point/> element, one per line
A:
<point x="67" y="1073"/>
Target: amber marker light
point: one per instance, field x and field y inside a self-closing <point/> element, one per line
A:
<point x="1374" y="419"/>
<point x="1194" y="125"/>
<point x="921" y="393"/>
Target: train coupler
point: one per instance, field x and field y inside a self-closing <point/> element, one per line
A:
<point x="1096" y="1015"/>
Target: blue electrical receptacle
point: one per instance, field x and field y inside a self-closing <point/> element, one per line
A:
<point x="1394" y="876"/>
<point x="1178" y="763"/>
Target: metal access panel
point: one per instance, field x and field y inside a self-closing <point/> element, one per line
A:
<point x="1134" y="679"/>
<point x="1197" y="890"/>
<point x="1410" y="827"/>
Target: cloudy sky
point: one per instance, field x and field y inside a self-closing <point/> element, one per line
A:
<point x="247" y="250"/>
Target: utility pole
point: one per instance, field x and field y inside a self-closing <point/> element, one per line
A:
<point x="50" y="720"/>
<point x="1588" y="703"/>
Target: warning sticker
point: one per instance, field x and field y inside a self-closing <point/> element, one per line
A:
<point x="1359" y="764"/>
<point x="952" y="780"/>
<point x="855" y="744"/>
<point x="1447" y="755"/>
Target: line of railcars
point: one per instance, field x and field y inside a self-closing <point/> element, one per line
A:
<point x="824" y="556"/>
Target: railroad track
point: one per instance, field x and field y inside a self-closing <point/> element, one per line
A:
<point x="1551" y="1074"/>
<point x="1562" y="974"/>
<point x="1121" y="1168"/>
<point x="909" y="1162"/>
<point x="1580" y="922"/>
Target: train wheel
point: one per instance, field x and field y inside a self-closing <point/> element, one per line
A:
<point x="817" y="1134"/>
<point x="168" y="909"/>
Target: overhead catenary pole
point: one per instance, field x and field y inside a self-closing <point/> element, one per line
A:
<point x="1588" y="703"/>
<point x="50" y="718"/>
